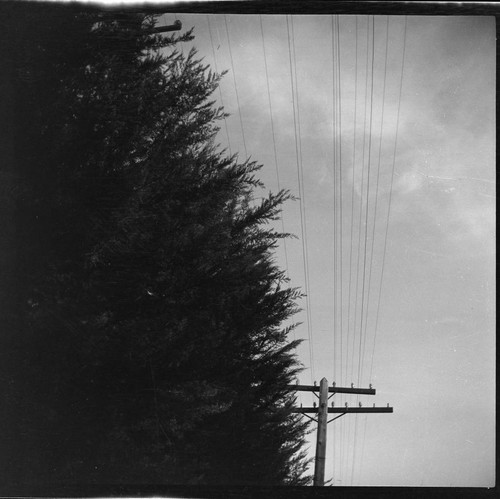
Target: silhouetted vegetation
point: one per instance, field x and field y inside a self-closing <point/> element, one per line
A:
<point x="142" y="310"/>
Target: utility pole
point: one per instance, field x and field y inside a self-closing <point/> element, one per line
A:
<point x="322" y="412"/>
<point x="319" y="467"/>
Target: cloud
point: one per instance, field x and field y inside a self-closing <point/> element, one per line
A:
<point x="408" y="182"/>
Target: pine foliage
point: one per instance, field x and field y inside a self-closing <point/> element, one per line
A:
<point x="144" y="339"/>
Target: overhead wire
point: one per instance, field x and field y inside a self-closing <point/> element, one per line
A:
<point x="337" y="334"/>
<point x="339" y="87"/>
<point x="376" y="192"/>
<point x="361" y="206"/>
<point x="352" y="195"/>
<point x="390" y="192"/>
<point x="273" y="136"/>
<point x="363" y="443"/>
<point x="353" y="183"/>
<point x="336" y="329"/>
<point x="338" y="202"/>
<point x="335" y="314"/>
<point x="301" y="200"/>
<point x="356" y="293"/>
<point x="303" y="203"/>
<point x="388" y="215"/>
<point x="373" y="238"/>
<point x="338" y="185"/>
<point x="341" y="218"/>
<point x="334" y="229"/>
<point x="235" y="87"/>
<point x="218" y="86"/>
<point x="367" y="200"/>
<point x="337" y="130"/>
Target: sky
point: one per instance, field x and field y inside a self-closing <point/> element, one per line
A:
<point x="411" y="311"/>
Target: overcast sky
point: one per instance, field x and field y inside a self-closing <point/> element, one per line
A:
<point x="433" y="353"/>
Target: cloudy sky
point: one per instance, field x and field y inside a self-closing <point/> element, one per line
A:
<point x="419" y="323"/>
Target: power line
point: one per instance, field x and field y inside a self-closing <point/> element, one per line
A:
<point x="339" y="80"/>
<point x="335" y="315"/>
<point x="303" y="204"/>
<point x="390" y="191"/>
<point x="367" y="199"/>
<point x="361" y="194"/>
<point x="366" y="216"/>
<point x="352" y="205"/>
<point x="235" y="87"/>
<point x="273" y="135"/>
<point x="335" y="310"/>
<point x="363" y="443"/>
<point x="388" y="210"/>
<point x="341" y="218"/>
<point x="354" y="448"/>
<point x="376" y="190"/>
<point x="304" y="254"/>
<point x="220" y="91"/>
<point x="352" y="189"/>
<point x="373" y="231"/>
<point x="338" y="229"/>
<point x="360" y="211"/>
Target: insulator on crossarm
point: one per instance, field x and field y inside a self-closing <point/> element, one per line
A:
<point x="346" y="404"/>
<point x="314" y="404"/>
<point x="333" y="404"/>
<point x="370" y="386"/>
<point x="333" y="384"/>
<point x="387" y="405"/>
<point x="360" y="404"/>
<point x="315" y="383"/>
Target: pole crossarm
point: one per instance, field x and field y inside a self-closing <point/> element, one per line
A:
<point x="333" y="389"/>
<point x="172" y="27"/>
<point x="322" y="412"/>
<point x="343" y="410"/>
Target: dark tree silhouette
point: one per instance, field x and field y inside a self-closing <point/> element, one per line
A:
<point x="143" y="313"/>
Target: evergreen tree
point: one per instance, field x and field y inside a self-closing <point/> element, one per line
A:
<point x="144" y="338"/>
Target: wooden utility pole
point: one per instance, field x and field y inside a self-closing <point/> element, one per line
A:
<point x="322" y="412"/>
<point x="319" y="467"/>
